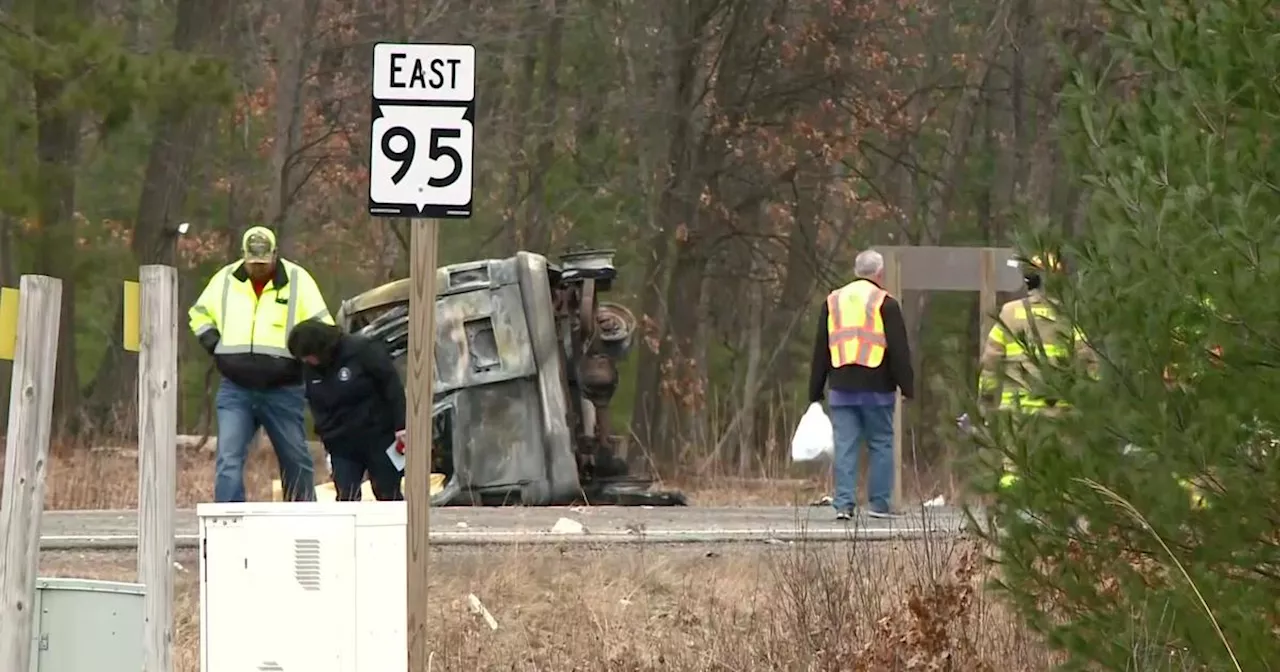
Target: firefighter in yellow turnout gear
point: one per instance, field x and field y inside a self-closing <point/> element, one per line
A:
<point x="1006" y="371"/>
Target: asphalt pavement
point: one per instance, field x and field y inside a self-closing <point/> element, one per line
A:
<point x="601" y="525"/>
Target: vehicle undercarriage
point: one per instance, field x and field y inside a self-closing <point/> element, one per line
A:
<point x="526" y="364"/>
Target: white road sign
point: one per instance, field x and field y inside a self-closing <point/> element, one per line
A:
<point x="422" y="136"/>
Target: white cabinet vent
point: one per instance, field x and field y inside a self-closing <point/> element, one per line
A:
<point x="306" y="565"/>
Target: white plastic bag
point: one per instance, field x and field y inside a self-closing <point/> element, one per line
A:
<point x="814" y="436"/>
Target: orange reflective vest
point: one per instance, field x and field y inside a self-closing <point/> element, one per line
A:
<point x="855" y="330"/>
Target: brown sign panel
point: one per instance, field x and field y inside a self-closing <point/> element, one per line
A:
<point x="954" y="269"/>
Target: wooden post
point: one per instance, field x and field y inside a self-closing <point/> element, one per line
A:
<point x="986" y="295"/>
<point x="419" y="397"/>
<point x="893" y="284"/>
<point x="157" y="458"/>
<point x="22" y="505"/>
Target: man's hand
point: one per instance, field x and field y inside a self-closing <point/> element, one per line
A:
<point x="402" y="440"/>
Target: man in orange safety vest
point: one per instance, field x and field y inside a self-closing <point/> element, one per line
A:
<point x="861" y="348"/>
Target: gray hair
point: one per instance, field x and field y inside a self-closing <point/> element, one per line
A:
<point x="868" y="264"/>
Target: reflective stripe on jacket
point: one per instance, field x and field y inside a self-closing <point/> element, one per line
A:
<point x="855" y="329"/>
<point x="252" y="333"/>
<point x="1004" y="352"/>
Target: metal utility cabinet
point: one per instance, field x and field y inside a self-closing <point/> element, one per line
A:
<point x="303" y="587"/>
<point x="87" y="626"/>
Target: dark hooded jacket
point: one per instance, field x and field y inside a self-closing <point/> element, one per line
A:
<point x="357" y="399"/>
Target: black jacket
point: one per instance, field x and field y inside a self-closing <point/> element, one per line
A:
<point x="357" y="399"/>
<point x="894" y="373"/>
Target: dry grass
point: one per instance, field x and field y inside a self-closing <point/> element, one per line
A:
<point x="81" y="478"/>
<point x="819" y="607"/>
<point x="101" y="472"/>
<point x="108" y="479"/>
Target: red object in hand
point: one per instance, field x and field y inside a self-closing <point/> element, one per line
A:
<point x="400" y="444"/>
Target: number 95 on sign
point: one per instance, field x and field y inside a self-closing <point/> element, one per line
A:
<point x="421" y="159"/>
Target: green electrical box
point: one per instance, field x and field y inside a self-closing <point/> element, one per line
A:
<point x="87" y="626"/>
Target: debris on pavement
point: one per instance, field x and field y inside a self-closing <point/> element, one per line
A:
<point x="478" y="608"/>
<point x="568" y="526"/>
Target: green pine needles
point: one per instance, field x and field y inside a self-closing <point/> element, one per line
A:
<point x="1143" y="532"/>
<point x="62" y="64"/>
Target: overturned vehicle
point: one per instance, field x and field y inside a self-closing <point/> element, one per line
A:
<point x="526" y="362"/>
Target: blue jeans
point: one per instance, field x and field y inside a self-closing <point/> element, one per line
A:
<point x="241" y="411"/>
<point x="853" y="425"/>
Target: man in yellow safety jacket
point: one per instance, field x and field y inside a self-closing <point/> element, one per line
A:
<point x="1006" y="372"/>
<point x="861" y="348"/>
<point x="243" y="319"/>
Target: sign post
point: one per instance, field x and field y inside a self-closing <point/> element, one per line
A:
<point x="422" y="144"/>
<point x="35" y="364"/>
<point x="151" y="330"/>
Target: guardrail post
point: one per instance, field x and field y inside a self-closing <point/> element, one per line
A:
<point x="35" y="361"/>
<point x="157" y="344"/>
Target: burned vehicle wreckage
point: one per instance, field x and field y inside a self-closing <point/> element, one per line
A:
<point x="526" y="362"/>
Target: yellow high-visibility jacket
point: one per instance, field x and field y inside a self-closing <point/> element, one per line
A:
<point x="248" y="335"/>
<point x="1004" y="365"/>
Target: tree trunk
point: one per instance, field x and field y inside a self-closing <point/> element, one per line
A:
<point x="541" y="233"/>
<point x="293" y="35"/>
<point x="678" y="354"/>
<point x="675" y="213"/>
<point x="57" y="152"/>
<point x="178" y="136"/>
<point x="747" y="443"/>
<point x="57" y="145"/>
<point x="517" y="158"/>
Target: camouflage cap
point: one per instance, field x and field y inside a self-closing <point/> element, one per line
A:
<point x="259" y="245"/>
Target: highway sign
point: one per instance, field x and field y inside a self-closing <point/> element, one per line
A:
<point x="422" y="136"/>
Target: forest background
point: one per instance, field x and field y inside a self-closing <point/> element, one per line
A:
<point x="737" y="154"/>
